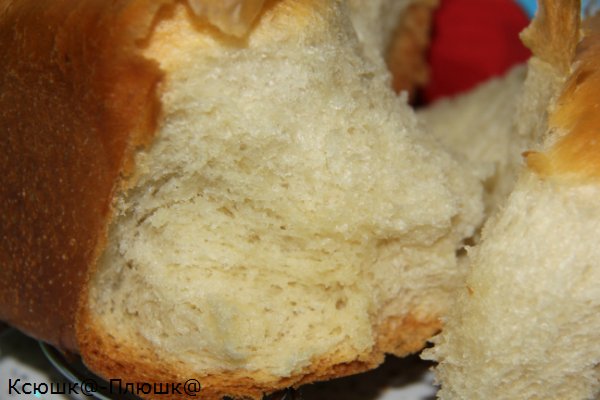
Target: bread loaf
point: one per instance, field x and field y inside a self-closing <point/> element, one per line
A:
<point x="225" y="191"/>
<point x="527" y="324"/>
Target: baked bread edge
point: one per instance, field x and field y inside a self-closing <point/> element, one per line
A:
<point x="398" y="336"/>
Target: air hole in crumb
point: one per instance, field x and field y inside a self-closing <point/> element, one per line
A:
<point x="387" y="242"/>
<point x="276" y="289"/>
<point x="226" y="211"/>
<point x="340" y="304"/>
<point x="470" y="242"/>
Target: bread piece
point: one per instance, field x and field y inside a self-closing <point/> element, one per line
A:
<point x="527" y="324"/>
<point x="253" y="211"/>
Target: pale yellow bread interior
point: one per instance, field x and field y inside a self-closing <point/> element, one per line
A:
<point x="492" y="125"/>
<point x="290" y="209"/>
<point x="480" y="128"/>
<point x="527" y="323"/>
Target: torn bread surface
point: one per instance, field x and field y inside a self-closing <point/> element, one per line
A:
<point x="289" y="211"/>
<point x="527" y="324"/>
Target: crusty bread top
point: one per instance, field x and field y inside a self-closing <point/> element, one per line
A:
<point x="76" y="100"/>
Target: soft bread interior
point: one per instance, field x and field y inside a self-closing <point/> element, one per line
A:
<point x="480" y="127"/>
<point x="288" y="208"/>
<point x="527" y="324"/>
<point x="492" y="125"/>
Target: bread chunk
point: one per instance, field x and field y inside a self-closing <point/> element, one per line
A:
<point x="235" y="194"/>
<point x="287" y="210"/>
<point x="527" y="324"/>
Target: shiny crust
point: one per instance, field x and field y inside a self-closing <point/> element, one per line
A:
<point x="400" y="336"/>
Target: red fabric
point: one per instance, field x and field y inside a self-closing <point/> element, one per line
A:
<point x="473" y="40"/>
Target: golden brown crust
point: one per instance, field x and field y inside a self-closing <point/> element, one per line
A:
<point x="554" y="33"/>
<point x="575" y="156"/>
<point x="403" y="336"/>
<point x="75" y="101"/>
<point x="407" y="54"/>
<point x="102" y="353"/>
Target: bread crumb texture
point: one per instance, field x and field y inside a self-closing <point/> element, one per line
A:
<point x="480" y="127"/>
<point x="527" y="324"/>
<point x="288" y="211"/>
<point x="491" y="126"/>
